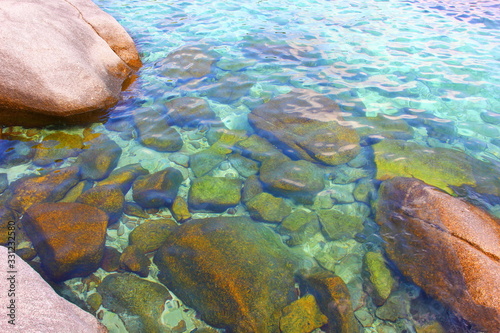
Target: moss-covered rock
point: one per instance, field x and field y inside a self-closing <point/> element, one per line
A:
<point x="302" y="316"/>
<point x="245" y="166"/>
<point x="306" y="125"/>
<point x="180" y="210"/>
<point x="138" y="302"/>
<point x="154" y="131"/>
<point x="149" y="236"/>
<point x="299" y="180"/>
<point x="189" y="112"/>
<point x="259" y="149"/>
<point x="251" y="187"/>
<point x="99" y="158"/>
<point x="268" y="208"/>
<point x="205" y="161"/>
<point x="124" y="177"/>
<point x="440" y="167"/>
<point x="214" y="193"/>
<point x="109" y="199"/>
<point x="68" y="237"/>
<point x="380" y="276"/>
<point x="47" y="188"/>
<point x="158" y="189"/>
<point x="382" y="126"/>
<point x="338" y="223"/>
<point x="236" y="273"/>
<point x="300" y="226"/>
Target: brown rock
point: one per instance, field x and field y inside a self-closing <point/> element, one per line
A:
<point x="188" y="62"/>
<point x="124" y="177"/>
<point x="109" y="199"/>
<point x="302" y="316"/>
<point x="149" y="236"/>
<point x="56" y="147"/>
<point x="41" y="309"/>
<point x="48" y="188"/>
<point x="447" y="246"/>
<point x="158" y="189"/>
<point x="99" y="158"/>
<point x="134" y="260"/>
<point x="180" y="210"/>
<point x="69" y="237"/>
<point x="111" y="259"/>
<point x="44" y="44"/>
<point x="154" y="132"/>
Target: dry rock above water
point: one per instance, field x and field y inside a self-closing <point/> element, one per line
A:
<point x="447" y="246"/>
<point x="306" y="125"/>
<point x="60" y="58"/>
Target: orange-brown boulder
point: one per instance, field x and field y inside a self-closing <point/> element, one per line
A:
<point x="68" y="237"/>
<point x="447" y="246"/>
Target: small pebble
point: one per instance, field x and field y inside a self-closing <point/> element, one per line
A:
<point x="121" y="230"/>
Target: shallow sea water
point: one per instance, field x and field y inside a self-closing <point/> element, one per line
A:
<point x="433" y="64"/>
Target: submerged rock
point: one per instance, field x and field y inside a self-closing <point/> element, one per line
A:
<point x="154" y="131"/>
<point x="44" y="44"/>
<point x="230" y="88"/>
<point x="236" y="273"/>
<point x="268" y="208"/>
<point x="68" y="237"/>
<point x="56" y="147"/>
<point x="302" y="316"/>
<point x="99" y="158"/>
<point x="214" y="193"/>
<point x="380" y="276"/>
<point x="138" y="302"/>
<point x="134" y="260"/>
<point x="13" y="152"/>
<point x="188" y="62"/>
<point x="340" y="222"/>
<point x="189" y="112"/>
<point x="41" y="309"/>
<point x="306" y="125"/>
<point x="149" y="236"/>
<point x="445" y="245"/>
<point x="300" y="226"/>
<point x="124" y="177"/>
<point x="158" y="189"/>
<point x="109" y="199"/>
<point x="180" y="210"/>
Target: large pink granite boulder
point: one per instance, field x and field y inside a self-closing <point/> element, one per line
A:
<point x="36" y="306"/>
<point x="60" y="58"/>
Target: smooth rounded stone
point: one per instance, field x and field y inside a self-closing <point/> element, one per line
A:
<point x="440" y="167"/>
<point x="124" y="177"/>
<point x="300" y="226"/>
<point x="235" y="65"/>
<point x="179" y="159"/>
<point x="94" y="301"/>
<point x="333" y="300"/>
<point x="76" y="191"/>
<point x="340" y="222"/>
<point x="13" y="152"/>
<point x="99" y="158"/>
<point x="149" y="236"/>
<point x="397" y="306"/>
<point x="154" y="132"/>
<point x="68" y="237"/>
<point x="342" y="193"/>
<point x="111" y="259"/>
<point x="432" y="327"/>
<point x="490" y="117"/>
<point x="109" y="199"/>
<point x="245" y="166"/>
<point x="251" y="187"/>
<point x="205" y="161"/>
<point x="188" y="62"/>
<point x="323" y="200"/>
<point x="230" y="88"/>
<point x="4" y="182"/>
<point x="364" y="190"/>
<point x="138" y="302"/>
<point x="266" y="207"/>
<point x="426" y="230"/>
<point x="158" y="189"/>
<point x="180" y="210"/>
<point x="134" y="260"/>
<point x="189" y="112"/>
<point x="343" y="174"/>
<point x="364" y="317"/>
<point x="380" y="276"/>
<point x="360" y="160"/>
<point x="259" y="149"/>
<point x="56" y="147"/>
<point x="214" y="193"/>
<point x="299" y="180"/>
<point x="47" y="188"/>
<point x="384" y="126"/>
<point x="237" y="274"/>
<point x="306" y="125"/>
<point x="133" y="209"/>
<point x="53" y="41"/>
<point x="349" y="267"/>
<point x="302" y="316"/>
<point x="42" y="309"/>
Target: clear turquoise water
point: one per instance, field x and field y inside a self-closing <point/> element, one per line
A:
<point x="434" y="64"/>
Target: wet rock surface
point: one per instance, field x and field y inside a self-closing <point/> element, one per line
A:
<point x="445" y="245"/>
<point x="302" y="316"/>
<point x="149" y="236"/>
<point x="56" y="147"/>
<point x="268" y="208"/>
<point x="214" y="193"/>
<point x="68" y="237"/>
<point x="109" y="199"/>
<point x="99" y="158"/>
<point x="188" y="62"/>
<point x="189" y="112"/>
<point x="124" y="177"/>
<point x="158" y="189"/>
<point x="306" y="125"/>
<point x="154" y="131"/>
<point x="237" y="274"/>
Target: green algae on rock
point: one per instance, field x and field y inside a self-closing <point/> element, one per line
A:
<point x="138" y="302"/>
<point x="300" y="226"/>
<point x="180" y="210"/>
<point x="339" y="223"/>
<point x="440" y="167"/>
<point x="154" y="131"/>
<point x="306" y="125"/>
<point x="68" y="237"/>
<point x="214" y="193"/>
<point x="380" y="276"/>
<point x="149" y="236"/>
<point x="236" y="273"/>
<point x="268" y="208"/>
<point x="56" y="147"/>
<point x="158" y="189"/>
